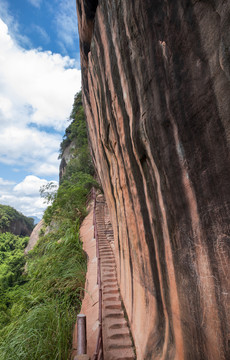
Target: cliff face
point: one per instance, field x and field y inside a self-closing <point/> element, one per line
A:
<point x="156" y="90"/>
<point x="15" y="222"/>
<point x="65" y="158"/>
<point x="19" y="227"/>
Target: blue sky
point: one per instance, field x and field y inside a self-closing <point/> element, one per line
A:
<point x="39" y="76"/>
<point x="50" y="25"/>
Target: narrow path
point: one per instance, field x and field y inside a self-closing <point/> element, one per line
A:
<point x="117" y="344"/>
<point x="90" y="301"/>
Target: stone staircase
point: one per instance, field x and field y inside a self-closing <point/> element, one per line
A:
<point x="117" y="344"/>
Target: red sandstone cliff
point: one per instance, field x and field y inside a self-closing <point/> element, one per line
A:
<point x="156" y="90"/>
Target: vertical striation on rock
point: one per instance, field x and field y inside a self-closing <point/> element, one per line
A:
<point x="156" y="90"/>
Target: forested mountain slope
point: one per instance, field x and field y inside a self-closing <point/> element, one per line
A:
<point x="15" y="222"/>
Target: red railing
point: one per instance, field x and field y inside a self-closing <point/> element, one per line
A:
<point x="98" y="355"/>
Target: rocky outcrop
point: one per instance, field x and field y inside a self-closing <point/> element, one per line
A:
<point x="156" y="90"/>
<point x="15" y="222"/>
<point x="65" y="158"/>
<point x="19" y="227"/>
<point x="34" y="236"/>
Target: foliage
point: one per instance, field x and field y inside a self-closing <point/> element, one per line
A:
<point x="77" y="130"/>
<point x="9" y="215"/>
<point x="70" y="199"/>
<point x="42" y="311"/>
<point x="12" y="262"/>
<point x="37" y="313"/>
<point x="48" y="191"/>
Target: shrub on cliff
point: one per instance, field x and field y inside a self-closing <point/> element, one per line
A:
<point x="12" y="263"/>
<point x="77" y="130"/>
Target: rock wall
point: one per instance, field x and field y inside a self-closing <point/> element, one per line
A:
<point x="156" y="91"/>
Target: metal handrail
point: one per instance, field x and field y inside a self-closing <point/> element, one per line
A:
<point x="98" y="355"/>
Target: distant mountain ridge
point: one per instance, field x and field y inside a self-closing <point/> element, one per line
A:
<point x="36" y="219"/>
<point x="15" y="222"/>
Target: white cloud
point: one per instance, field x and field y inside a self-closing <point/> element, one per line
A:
<point x="66" y="23"/>
<point x="41" y="84"/>
<point x="34" y="149"/>
<point x="6" y="182"/>
<point x="29" y="206"/>
<point x="26" y="144"/>
<point x="36" y="3"/>
<point x="12" y="23"/>
<point x="41" y="32"/>
<point x="45" y="169"/>
<point x="36" y="88"/>
<point x="31" y="185"/>
<point x="25" y="196"/>
<point x="5" y="107"/>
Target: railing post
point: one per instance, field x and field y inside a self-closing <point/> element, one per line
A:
<point x="98" y="355"/>
<point x="81" y="334"/>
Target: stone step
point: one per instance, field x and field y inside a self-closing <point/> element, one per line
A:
<point x="120" y="323"/>
<point x="108" y="261"/>
<point x="107" y="266"/>
<point x="108" y="274"/>
<point x="113" y="311"/>
<point x="113" y="305"/>
<point x="108" y="285"/>
<point x="118" y="333"/>
<point x="126" y="354"/>
<point x="110" y="298"/>
<point x="110" y="291"/>
<point x="116" y="337"/>
<point x="117" y="315"/>
<point x="110" y="279"/>
<point x="121" y="345"/>
<point x="109" y="271"/>
<point x="109" y="282"/>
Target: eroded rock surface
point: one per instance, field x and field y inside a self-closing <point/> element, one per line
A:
<point x="34" y="236"/>
<point x="65" y="158"/>
<point x="156" y="90"/>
